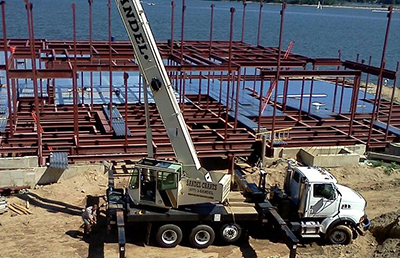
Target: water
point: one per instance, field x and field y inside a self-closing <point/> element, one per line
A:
<point x="317" y="33"/>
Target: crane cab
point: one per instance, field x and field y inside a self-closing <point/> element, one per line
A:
<point x="165" y="184"/>
<point x="155" y="183"/>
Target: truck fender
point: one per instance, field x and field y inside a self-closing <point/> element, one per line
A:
<point x="330" y="223"/>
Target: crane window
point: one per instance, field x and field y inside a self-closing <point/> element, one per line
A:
<point x="134" y="180"/>
<point x="167" y="180"/>
<point x="324" y="190"/>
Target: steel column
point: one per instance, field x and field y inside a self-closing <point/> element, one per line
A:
<point x="259" y="23"/>
<point x="172" y="26"/>
<point x="110" y="64"/>
<point x="278" y="69"/>
<point x="380" y="80"/>
<point x="29" y="11"/>
<point x="232" y="10"/>
<point x="10" y="111"/>
<point x="243" y="18"/>
<point x="126" y="76"/>
<point x="391" y="102"/>
<point x="367" y="79"/>
<point x="211" y="28"/>
<point x="90" y="51"/>
<point x="75" y="83"/>
<point x="237" y="99"/>
<point x="182" y="29"/>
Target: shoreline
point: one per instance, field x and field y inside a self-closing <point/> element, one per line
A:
<point x="380" y="8"/>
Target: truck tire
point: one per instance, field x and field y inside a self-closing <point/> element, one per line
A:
<point x="340" y="235"/>
<point x="202" y="236"/>
<point x="169" y="235"/>
<point x="230" y="233"/>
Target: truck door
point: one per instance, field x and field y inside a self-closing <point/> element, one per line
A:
<point x="148" y="178"/>
<point x="323" y="201"/>
<point x="295" y="187"/>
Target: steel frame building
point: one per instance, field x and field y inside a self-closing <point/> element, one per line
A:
<point x="36" y="125"/>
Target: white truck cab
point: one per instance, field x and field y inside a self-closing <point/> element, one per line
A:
<point x="320" y="207"/>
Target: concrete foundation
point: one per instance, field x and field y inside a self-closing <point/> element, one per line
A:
<point x="19" y="162"/>
<point x="25" y="172"/>
<point x="293" y="153"/>
<point x="328" y="157"/>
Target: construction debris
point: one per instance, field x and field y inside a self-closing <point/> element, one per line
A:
<point x="20" y="210"/>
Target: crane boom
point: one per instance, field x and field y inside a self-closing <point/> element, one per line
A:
<point x="153" y="70"/>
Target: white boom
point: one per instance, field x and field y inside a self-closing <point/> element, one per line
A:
<point x="153" y="70"/>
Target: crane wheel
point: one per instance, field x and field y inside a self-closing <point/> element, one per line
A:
<point x="169" y="235"/>
<point x="202" y="236"/>
<point x="230" y="233"/>
<point x="340" y="235"/>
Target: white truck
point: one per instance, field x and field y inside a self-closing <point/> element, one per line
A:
<point x="317" y="206"/>
<point x="182" y="199"/>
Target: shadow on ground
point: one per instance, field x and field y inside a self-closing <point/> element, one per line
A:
<point x="51" y="205"/>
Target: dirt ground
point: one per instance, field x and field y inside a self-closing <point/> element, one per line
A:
<point x="54" y="228"/>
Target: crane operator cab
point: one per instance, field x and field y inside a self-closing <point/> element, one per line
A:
<point x="155" y="183"/>
<point x="164" y="184"/>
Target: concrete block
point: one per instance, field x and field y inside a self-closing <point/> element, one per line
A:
<point x="393" y="149"/>
<point x="43" y="175"/>
<point x="383" y="156"/>
<point x="19" y="162"/>
<point x="17" y="177"/>
<point x="5" y="178"/>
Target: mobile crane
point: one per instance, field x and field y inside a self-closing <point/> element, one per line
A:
<point x="176" y="199"/>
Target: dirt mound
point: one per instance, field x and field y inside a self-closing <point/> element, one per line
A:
<point x="386" y="230"/>
<point x="386" y="226"/>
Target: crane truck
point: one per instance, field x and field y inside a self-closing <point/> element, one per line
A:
<point x="182" y="199"/>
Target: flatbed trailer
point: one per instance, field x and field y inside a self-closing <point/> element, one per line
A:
<point x="123" y="213"/>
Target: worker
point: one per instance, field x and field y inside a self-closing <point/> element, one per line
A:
<point x="89" y="217"/>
